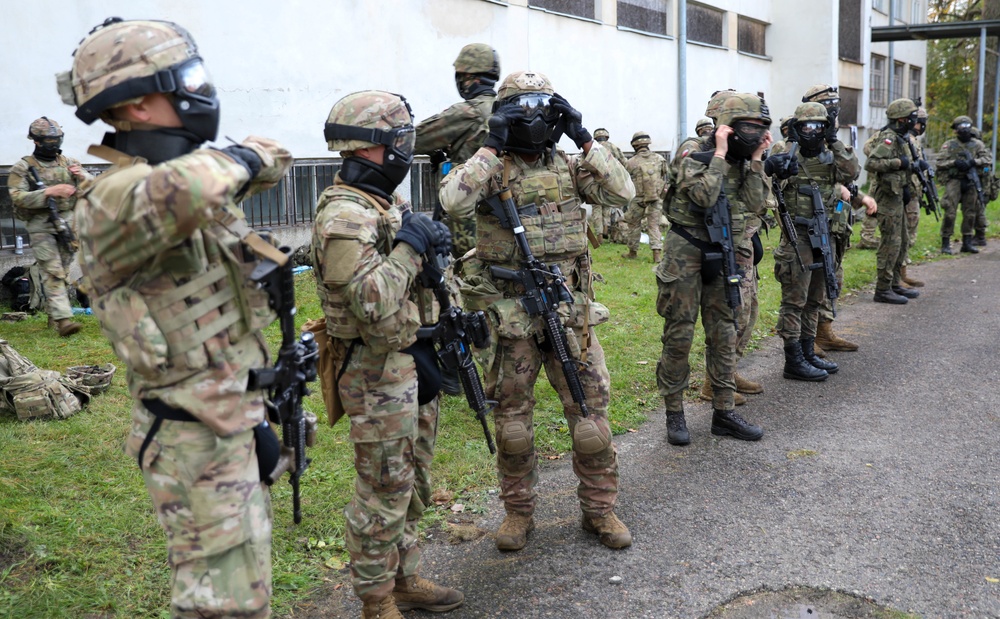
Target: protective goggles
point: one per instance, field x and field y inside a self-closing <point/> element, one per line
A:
<point x="48" y="142"/>
<point x="188" y="80"/>
<point x="401" y="140"/>
<point x="831" y="104"/>
<point x="810" y="128"/>
<point x="963" y="126"/>
<point x="749" y="132"/>
<point x="535" y="104"/>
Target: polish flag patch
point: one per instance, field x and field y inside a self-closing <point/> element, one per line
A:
<point x="888" y="141"/>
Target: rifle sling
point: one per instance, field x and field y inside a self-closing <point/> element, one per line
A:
<point x="161" y="411"/>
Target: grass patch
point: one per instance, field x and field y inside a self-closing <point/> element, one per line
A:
<point x="78" y="537"/>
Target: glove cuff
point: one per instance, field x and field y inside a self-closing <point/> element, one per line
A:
<point x="582" y="137"/>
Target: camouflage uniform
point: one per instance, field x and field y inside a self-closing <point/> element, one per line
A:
<point x="959" y="190"/>
<point x="600" y="217"/>
<point x="649" y="175"/>
<point x="164" y="253"/>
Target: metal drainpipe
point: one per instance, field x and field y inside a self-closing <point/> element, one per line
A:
<point x="996" y="104"/>
<point x="682" y="35"/>
<point x="982" y="80"/>
<point x="891" y="72"/>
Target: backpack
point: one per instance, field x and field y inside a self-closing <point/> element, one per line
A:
<point x="24" y="285"/>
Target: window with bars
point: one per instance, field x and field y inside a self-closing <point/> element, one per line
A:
<point x="645" y="15"/>
<point x="578" y="8"/>
<point x="704" y="24"/>
<point x="750" y="37"/>
<point x="850" y="99"/>
<point x="915" y="75"/>
<point x="877" y="93"/>
<point x="849" y="39"/>
<point x="879" y="5"/>
<point x="917" y="14"/>
<point x="897" y="81"/>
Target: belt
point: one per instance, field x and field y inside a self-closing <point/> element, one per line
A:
<point x="161" y="411"/>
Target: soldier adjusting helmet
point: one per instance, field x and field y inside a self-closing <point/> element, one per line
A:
<point x="601" y="135"/>
<point x="47" y="135"/>
<point x="477" y="69"/>
<point x="120" y="62"/>
<point x="532" y="92"/>
<point x="750" y="118"/>
<point x="715" y="103"/>
<point x="704" y="127"/>
<point x="921" y="125"/>
<point x="640" y="139"/>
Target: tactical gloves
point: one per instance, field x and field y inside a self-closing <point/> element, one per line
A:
<point x="831" y="130"/>
<point x="793" y="133"/>
<point x="904" y="162"/>
<point x="246" y="158"/>
<point x="963" y="165"/>
<point x="574" y="121"/>
<point x="499" y="124"/>
<point x="422" y="233"/>
<point x="781" y="166"/>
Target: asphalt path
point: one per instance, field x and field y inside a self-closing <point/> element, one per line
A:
<point x="881" y="482"/>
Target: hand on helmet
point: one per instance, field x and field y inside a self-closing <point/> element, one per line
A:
<point x="793" y="133"/>
<point x="574" y="121"/>
<point x="499" y="124"/>
<point x="422" y="233"/>
<point x="831" y="130"/>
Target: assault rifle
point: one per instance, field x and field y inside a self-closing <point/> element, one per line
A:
<point x="64" y="234"/>
<point x="973" y="176"/>
<point x="285" y="383"/>
<point x="784" y="217"/>
<point x="454" y="336"/>
<point x="819" y="239"/>
<point x="719" y="222"/>
<point x="544" y="289"/>
<point x="926" y="178"/>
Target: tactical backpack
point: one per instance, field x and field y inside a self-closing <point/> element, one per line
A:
<point x="24" y="284"/>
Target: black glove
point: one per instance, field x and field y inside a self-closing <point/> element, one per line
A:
<point x="793" y="133"/>
<point x="245" y="157"/>
<point x="924" y="166"/>
<point x="499" y="124"/>
<point x="781" y="166"/>
<point x="831" y="130"/>
<point x="438" y="157"/>
<point x="963" y="165"/>
<point x="574" y="121"/>
<point x="422" y="233"/>
<point x="904" y="162"/>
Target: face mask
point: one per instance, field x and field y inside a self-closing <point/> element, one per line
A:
<point x="47" y="149"/>
<point x="811" y="137"/>
<point x="745" y="139"/>
<point x="195" y="100"/>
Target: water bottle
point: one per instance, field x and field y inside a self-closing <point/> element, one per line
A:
<point x="18" y="245"/>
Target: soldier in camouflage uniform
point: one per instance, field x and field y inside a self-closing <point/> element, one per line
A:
<point x="165" y="254"/>
<point x="649" y="172"/>
<point x="459" y="131"/>
<point x="600" y="218"/>
<point x="735" y="166"/>
<point x="916" y="191"/>
<point x="956" y="157"/>
<point x="368" y="249"/>
<point x="520" y="152"/>
<point x="892" y="168"/>
<point x="826" y="165"/>
<point x="62" y="177"/>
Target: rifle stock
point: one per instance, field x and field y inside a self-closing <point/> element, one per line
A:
<point x="819" y="238"/>
<point x="926" y="178"/>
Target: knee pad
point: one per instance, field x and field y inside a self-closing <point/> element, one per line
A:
<point x="589" y="438"/>
<point x="515" y="439"/>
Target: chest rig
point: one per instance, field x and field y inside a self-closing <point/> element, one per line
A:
<point x="52" y="173"/>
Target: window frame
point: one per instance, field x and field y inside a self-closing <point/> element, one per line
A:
<point x="722" y="30"/>
<point x="915" y="92"/>
<point x="740" y="19"/>
<point x="877" y="95"/>
<point x="667" y="14"/>
<point x="592" y="20"/>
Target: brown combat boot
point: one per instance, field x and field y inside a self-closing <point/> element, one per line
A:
<point x="67" y="327"/>
<point x="745" y="385"/>
<point x="909" y="281"/>
<point x="707" y="393"/>
<point x="656" y="256"/>
<point x="613" y="532"/>
<point x="830" y="341"/>
<point x="417" y="592"/>
<point x="381" y="609"/>
<point x="631" y="255"/>
<point x="513" y="531"/>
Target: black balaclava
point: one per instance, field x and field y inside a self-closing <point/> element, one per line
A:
<point x="156" y="145"/>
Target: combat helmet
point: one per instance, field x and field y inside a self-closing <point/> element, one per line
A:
<point x="702" y="125"/>
<point x="43" y="128"/>
<point x="601" y="135"/>
<point x="480" y="59"/>
<point x="811" y="121"/>
<point x="532" y="92"/>
<point x="820" y="93"/>
<point x="743" y="106"/>
<point x="522" y="82"/>
<point x="640" y="139"/>
<point x="810" y="112"/>
<point x="784" y="124"/>
<point x="120" y="62"/>
<point x="959" y="120"/>
<point x="715" y="103"/>
<point x="900" y="108"/>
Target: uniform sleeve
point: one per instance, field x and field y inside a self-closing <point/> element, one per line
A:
<point x="440" y="131"/>
<point x="601" y="179"/>
<point x="20" y="189"/>
<point x="983" y="156"/>
<point x="756" y="190"/>
<point x="946" y="156"/>
<point x="469" y="183"/>
<point x="883" y="158"/>
<point x="87" y="176"/>
<point x="846" y="163"/>
<point x="703" y="183"/>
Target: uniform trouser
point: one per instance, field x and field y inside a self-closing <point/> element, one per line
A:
<point x="511" y="381"/>
<point x="393" y="447"/>
<point x="746" y="316"/>
<point x="868" y="228"/>
<point x="599" y="221"/>
<point x="841" y="243"/>
<point x="802" y="291"/>
<point x="972" y="220"/>
<point x="681" y="295"/>
<point x="53" y="262"/>
<point x="647" y="213"/>
<point x="912" y="223"/>
<point x="207" y="494"/>
<point x="891" y="255"/>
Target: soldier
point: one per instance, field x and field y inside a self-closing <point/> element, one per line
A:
<point x="685" y="285"/>
<point x="869" y="227"/>
<point x="457" y="132"/>
<point x="826" y="165"/>
<point x="368" y="248"/>
<point x="164" y="253"/>
<point x="957" y="156"/>
<point x="520" y="151"/>
<point x="916" y="191"/>
<point x="600" y="219"/>
<point x="604" y="138"/>
<point x="891" y="166"/>
<point x="62" y="176"/>
<point x="649" y="175"/>
<point x="704" y="127"/>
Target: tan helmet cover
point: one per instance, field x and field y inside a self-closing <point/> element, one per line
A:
<point x="522" y="82"/>
<point x="368" y="109"/>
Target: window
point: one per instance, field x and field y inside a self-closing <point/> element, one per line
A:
<point x="750" y="37"/>
<point x="579" y="8"/>
<point x="897" y="81"/>
<point x="644" y="15"/>
<point x="850" y="98"/>
<point x="915" y="83"/>
<point x="917" y="15"/>
<point x="704" y="24"/>
<point x="877" y="93"/>
<point x="849" y="41"/>
<point x="879" y="5"/>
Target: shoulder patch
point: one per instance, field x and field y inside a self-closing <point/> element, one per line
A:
<point x="888" y="141"/>
<point x="685" y="153"/>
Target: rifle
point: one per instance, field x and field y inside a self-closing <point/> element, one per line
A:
<point x="544" y="289"/>
<point x="784" y="217"/>
<point x="64" y="234"/>
<point x="926" y="181"/>
<point x="819" y="239"/>
<point x="719" y="223"/>
<point x="973" y="176"/>
<point x="285" y="383"/>
<point x="454" y="336"/>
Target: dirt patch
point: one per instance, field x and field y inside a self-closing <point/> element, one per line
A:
<point x="804" y="603"/>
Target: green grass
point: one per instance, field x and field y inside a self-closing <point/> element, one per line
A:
<point x="78" y="537"/>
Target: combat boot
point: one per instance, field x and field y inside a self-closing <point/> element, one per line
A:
<point x="909" y="281"/>
<point x="909" y="293"/>
<point x="707" y="393"/>
<point x="613" y="532"/>
<point x="745" y="385"/>
<point x="946" y="246"/>
<point x="52" y="322"/>
<point x="810" y="356"/>
<point x="796" y="367"/>
<point x="979" y="240"/>
<point x="67" y="327"/>
<point x="967" y="247"/>
<point x="656" y="256"/>
<point x="888" y="296"/>
<point x="729" y="423"/>
<point x="819" y="351"/>
<point x="826" y="338"/>
<point x="416" y="592"/>
<point x="513" y="531"/>
<point x="631" y="255"/>
<point x="677" y="430"/>
<point x="381" y="609"/>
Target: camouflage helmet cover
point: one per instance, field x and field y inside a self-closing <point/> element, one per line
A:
<point x="478" y="58"/>
<point x="368" y="109"/>
<point x="900" y="108"/>
<point x="640" y="138"/>
<point x="715" y="103"/>
<point x="44" y="127"/>
<point x="811" y="112"/>
<point x="922" y="114"/>
<point x="601" y="135"/>
<point x="784" y="123"/>
<point x="704" y="122"/>
<point x="960" y="120"/>
<point x="522" y="82"/>
<point x="820" y="92"/>
<point x="743" y="106"/>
